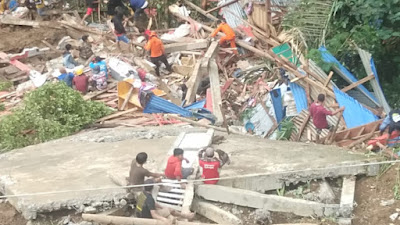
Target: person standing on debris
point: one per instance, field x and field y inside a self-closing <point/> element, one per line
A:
<point x="80" y="81"/>
<point x="138" y="6"/>
<point x="98" y="61"/>
<point x="119" y="29"/>
<point x="99" y="78"/>
<point x="318" y="113"/>
<point x="148" y="208"/>
<point x="92" y="5"/>
<point x="174" y="168"/>
<point x="40" y="6"/>
<point x="68" y="60"/>
<point x="156" y="48"/>
<point x="65" y="77"/>
<point x="138" y="172"/>
<point x="229" y="34"/>
<point x="85" y="49"/>
<point x="209" y="165"/>
<point x="392" y="120"/>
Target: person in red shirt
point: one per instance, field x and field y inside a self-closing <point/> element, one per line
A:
<point x="318" y="113"/>
<point x="80" y="82"/>
<point x="210" y="165"/>
<point x="174" y="168"/>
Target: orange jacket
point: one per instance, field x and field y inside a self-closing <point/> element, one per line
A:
<point x="224" y="28"/>
<point x="155" y="46"/>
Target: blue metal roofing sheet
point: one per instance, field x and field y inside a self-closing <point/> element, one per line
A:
<point x="300" y="97"/>
<point x="160" y="105"/>
<point x="354" y="114"/>
<point x="329" y="58"/>
<point x="276" y="98"/>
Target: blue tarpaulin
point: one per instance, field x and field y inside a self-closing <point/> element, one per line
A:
<point x="277" y="102"/>
<point x="300" y="97"/>
<point x="329" y="58"/>
<point x="160" y="105"/>
<point x="354" y="114"/>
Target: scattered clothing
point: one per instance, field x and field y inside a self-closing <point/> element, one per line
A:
<point x="81" y="83"/>
<point x="145" y="203"/>
<point x="102" y="64"/>
<point x="66" y="78"/>
<point x="100" y="80"/>
<point x="69" y="61"/>
<point x="85" y="50"/>
<point x="318" y="114"/>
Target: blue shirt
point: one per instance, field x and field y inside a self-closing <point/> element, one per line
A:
<point x="69" y="61"/>
<point x="102" y="64"/>
<point x="67" y="78"/>
<point x="13" y="5"/>
<point x="137" y="4"/>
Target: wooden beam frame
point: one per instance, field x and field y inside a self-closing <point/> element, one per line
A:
<point x="353" y="85"/>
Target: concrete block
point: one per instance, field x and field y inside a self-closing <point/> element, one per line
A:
<point x="215" y="213"/>
<point x="331" y="210"/>
<point x="272" y="181"/>
<point x="347" y="197"/>
<point x="344" y="221"/>
<point x="256" y="200"/>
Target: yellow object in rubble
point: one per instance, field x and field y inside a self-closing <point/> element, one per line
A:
<point x="79" y="72"/>
<point x="123" y="88"/>
<point x="2" y="6"/>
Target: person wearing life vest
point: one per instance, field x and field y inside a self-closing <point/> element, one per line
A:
<point x="156" y="48"/>
<point x="392" y="121"/>
<point x="229" y="34"/>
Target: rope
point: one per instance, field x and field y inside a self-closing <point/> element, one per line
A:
<point x="196" y="181"/>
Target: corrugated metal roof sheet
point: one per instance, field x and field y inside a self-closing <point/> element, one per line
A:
<point x="355" y="114"/>
<point x="329" y="58"/>
<point x="300" y="97"/>
<point x="261" y="121"/>
<point x="236" y="9"/>
<point x="160" y="105"/>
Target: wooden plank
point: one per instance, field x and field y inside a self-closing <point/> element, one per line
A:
<point x="329" y="79"/>
<point x="329" y="140"/>
<point x="221" y="6"/>
<point x="215" y="92"/>
<point x="118" y="114"/>
<point x="361" y="131"/>
<point x="94" y="94"/>
<point x="186" y="46"/>
<point x="176" y="190"/>
<point x="174" y="207"/>
<point x="172" y="181"/>
<point x="168" y="200"/>
<point x="128" y="96"/>
<point x="303" y="126"/>
<point x="168" y="195"/>
<point x="10" y="20"/>
<point x="200" y="10"/>
<point x="353" y="85"/>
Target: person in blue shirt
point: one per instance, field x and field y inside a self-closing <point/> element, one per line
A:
<point x="98" y="61"/>
<point x="68" y="60"/>
<point x="392" y="120"/>
<point x="12" y="5"/>
<point x="65" y="77"/>
<point x="138" y="6"/>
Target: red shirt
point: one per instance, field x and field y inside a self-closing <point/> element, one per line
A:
<point x="81" y="83"/>
<point x="210" y="170"/>
<point x="318" y="114"/>
<point x="174" y="168"/>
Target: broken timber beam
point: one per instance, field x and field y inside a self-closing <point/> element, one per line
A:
<point x="119" y="220"/>
<point x="200" y="10"/>
<point x="10" y="20"/>
<point x="329" y="79"/>
<point x="176" y="47"/>
<point x="303" y="126"/>
<point x="194" y="82"/>
<point x="353" y="85"/>
<point x="215" y="213"/>
<point x="215" y="92"/>
<point x="222" y="6"/>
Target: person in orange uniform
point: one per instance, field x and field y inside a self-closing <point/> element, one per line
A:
<point x="229" y="34"/>
<point x="156" y="48"/>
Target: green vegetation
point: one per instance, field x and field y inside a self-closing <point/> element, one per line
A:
<point x="5" y="85"/>
<point x="50" y="112"/>
<point x="287" y="127"/>
<point x="369" y="24"/>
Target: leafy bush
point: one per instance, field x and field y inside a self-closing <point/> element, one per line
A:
<point x="287" y="127"/>
<point x="52" y="111"/>
<point x="5" y="85"/>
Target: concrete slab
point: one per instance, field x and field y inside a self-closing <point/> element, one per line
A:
<point x="267" y="165"/>
<point x="215" y="213"/>
<point x="253" y="199"/>
<point x="63" y="165"/>
<point x="347" y="196"/>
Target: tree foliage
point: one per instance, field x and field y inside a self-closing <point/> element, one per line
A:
<point x="374" y="26"/>
<point x="52" y="111"/>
